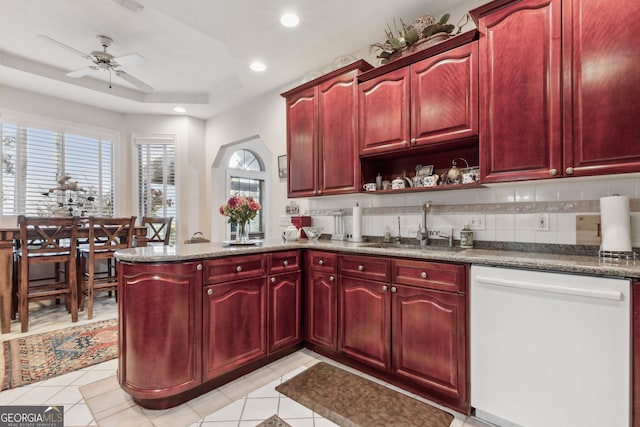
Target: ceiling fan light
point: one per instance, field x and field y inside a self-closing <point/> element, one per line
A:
<point x="132" y="5"/>
<point x="289" y="20"/>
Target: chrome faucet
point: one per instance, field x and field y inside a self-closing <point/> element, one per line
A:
<point x="399" y="238"/>
<point x="423" y="235"/>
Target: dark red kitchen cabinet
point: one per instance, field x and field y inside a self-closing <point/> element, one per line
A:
<point x="322" y="309"/>
<point x="444" y="96"/>
<point x="520" y="89"/>
<point x="365" y="322"/>
<point x="429" y="339"/>
<point x="284" y="314"/>
<point x="384" y="113"/>
<point x="602" y="92"/>
<point x="322" y="137"/>
<point x="234" y="330"/>
<point x="159" y="307"/>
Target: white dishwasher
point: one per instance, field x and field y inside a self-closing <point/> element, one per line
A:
<point x="550" y="349"/>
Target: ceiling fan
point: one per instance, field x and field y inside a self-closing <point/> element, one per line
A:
<point x="103" y="60"/>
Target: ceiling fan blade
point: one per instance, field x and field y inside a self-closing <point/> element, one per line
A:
<point x="137" y="83"/>
<point x="131" y="59"/>
<point x="82" y="72"/>
<point x="64" y="46"/>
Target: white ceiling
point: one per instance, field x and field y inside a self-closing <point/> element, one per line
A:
<point x="197" y="51"/>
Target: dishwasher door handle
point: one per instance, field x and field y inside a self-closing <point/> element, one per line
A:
<point x="555" y="289"/>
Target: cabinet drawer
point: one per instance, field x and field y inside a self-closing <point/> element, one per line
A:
<point x="364" y="267"/>
<point x="281" y="262"/>
<point x="433" y="275"/>
<point x="322" y="261"/>
<point x="235" y="268"/>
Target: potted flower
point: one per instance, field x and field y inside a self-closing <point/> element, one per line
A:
<point x="240" y="210"/>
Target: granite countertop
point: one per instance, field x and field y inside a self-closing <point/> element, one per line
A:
<point x="506" y="258"/>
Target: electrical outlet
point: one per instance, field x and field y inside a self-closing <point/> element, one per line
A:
<point x="477" y="222"/>
<point x="542" y="222"/>
<point x="285" y="220"/>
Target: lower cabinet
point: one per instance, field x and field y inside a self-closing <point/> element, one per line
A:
<point x="284" y="313"/>
<point x="321" y="300"/>
<point x="233" y="319"/>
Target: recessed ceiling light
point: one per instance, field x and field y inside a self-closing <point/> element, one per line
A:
<point x="257" y="66"/>
<point x="179" y="109"/>
<point x="289" y="20"/>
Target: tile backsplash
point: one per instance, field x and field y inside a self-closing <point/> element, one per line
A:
<point x="511" y="212"/>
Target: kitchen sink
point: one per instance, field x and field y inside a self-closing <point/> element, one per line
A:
<point x="382" y="245"/>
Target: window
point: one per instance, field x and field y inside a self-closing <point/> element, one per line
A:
<point x="246" y="178"/>
<point x="156" y="178"/>
<point x="50" y="172"/>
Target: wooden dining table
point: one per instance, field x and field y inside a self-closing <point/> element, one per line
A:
<point x="8" y="237"/>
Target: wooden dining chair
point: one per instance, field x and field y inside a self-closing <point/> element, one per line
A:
<point x="158" y="229"/>
<point x="106" y="236"/>
<point x="49" y="240"/>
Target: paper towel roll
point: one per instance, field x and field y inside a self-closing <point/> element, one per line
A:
<point x="356" y="235"/>
<point x="615" y="224"/>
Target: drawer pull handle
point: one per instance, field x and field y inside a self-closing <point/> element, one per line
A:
<point x="239" y="268"/>
<point x="332" y="278"/>
<point x="384" y="288"/>
<point x="273" y="280"/>
<point x="360" y="267"/>
<point x="423" y="274"/>
<point x="321" y="262"/>
<point x="210" y="292"/>
<point x="199" y="267"/>
<point x="285" y="262"/>
<point x="393" y="289"/>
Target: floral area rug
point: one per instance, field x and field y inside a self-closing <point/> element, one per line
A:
<point x="41" y="356"/>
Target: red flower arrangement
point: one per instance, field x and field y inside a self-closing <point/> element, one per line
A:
<point x="240" y="209"/>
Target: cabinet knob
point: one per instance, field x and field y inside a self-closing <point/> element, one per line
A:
<point x="569" y="171"/>
<point x="360" y="267"/>
<point x="413" y="141"/>
<point x="393" y="289"/>
<point x="423" y="274"/>
<point x="332" y="278"/>
<point x="321" y="262"/>
<point x="239" y="268"/>
<point x="384" y="288"/>
<point x="553" y="172"/>
<point x="199" y="267"/>
<point x="404" y="143"/>
<point x="273" y="280"/>
<point x="210" y="292"/>
<point x="285" y="262"/>
<point x="319" y="191"/>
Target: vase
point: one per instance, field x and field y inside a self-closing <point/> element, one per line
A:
<point x="242" y="231"/>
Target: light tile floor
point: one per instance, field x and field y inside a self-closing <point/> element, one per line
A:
<point x="246" y="401"/>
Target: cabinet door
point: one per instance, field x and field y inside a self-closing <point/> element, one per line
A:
<point x="520" y="99"/>
<point x="429" y="346"/>
<point x="384" y="112"/>
<point x="322" y="309"/>
<point x="365" y="322"/>
<point x="339" y="165"/>
<point x="604" y="88"/>
<point x="284" y="311"/>
<point x="302" y="137"/>
<point x="444" y="96"/>
<point x="234" y="330"/>
<point x="167" y="299"/>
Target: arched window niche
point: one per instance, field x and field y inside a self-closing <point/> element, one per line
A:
<point x="242" y="167"/>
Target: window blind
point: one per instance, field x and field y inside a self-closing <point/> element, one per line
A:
<point x="156" y="178"/>
<point x="50" y="172"/>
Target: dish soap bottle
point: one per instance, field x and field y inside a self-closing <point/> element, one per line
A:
<point x="466" y="237"/>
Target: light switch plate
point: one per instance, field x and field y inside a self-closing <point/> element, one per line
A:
<point x="588" y="230"/>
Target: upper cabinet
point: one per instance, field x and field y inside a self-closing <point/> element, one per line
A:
<point x="558" y="92"/>
<point x="322" y="138"/>
<point x="430" y="101"/>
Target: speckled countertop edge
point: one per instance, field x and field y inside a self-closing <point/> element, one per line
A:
<point x="504" y="258"/>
